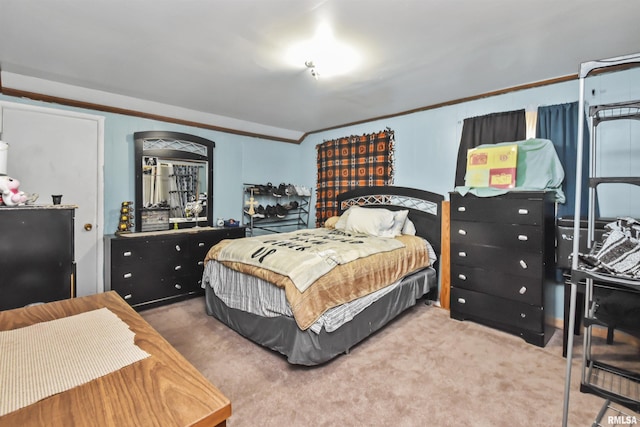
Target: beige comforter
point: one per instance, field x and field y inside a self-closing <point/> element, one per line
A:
<point x="342" y="284"/>
<point x="305" y="255"/>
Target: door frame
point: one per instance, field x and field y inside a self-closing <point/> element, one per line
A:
<point x="18" y="106"/>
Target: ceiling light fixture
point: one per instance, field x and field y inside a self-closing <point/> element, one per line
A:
<point x="323" y="54"/>
<point x="312" y="67"/>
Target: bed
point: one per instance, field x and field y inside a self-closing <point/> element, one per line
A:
<point x="311" y="317"/>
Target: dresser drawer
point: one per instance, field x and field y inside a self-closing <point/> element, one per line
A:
<point x="527" y="238"/>
<point x="201" y="242"/>
<point x="501" y="259"/>
<point x="153" y="250"/>
<point x="233" y="233"/>
<point x="154" y="259"/>
<point x="155" y="287"/>
<point x="201" y="246"/>
<point x="495" y="310"/>
<point x="519" y="208"/>
<point x="525" y="289"/>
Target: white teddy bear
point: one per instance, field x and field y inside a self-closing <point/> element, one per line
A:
<point x="10" y="193"/>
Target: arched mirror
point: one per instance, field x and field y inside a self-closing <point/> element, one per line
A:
<point x="174" y="180"/>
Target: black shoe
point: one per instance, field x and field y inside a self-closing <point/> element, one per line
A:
<point x="280" y="211"/>
<point x="290" y="190"/>
<point x="280" y="191"/>
<point x="271" y="211"/>
<point x="259" y="213"/>
<point x="291" y="205"/>
<point x="256" y="214"/>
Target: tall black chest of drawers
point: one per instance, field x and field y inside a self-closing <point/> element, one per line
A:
<point x="37" y="255"/>
<point x="502" y="261"/>
<point x="154" y="268"/>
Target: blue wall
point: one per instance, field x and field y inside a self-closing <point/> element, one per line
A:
<point x="237" y="159"/>
<point x="427" y="141"/>
<point x="426" y="147"/>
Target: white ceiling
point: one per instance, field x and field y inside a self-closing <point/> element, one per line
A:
<point x="226" y="57"/>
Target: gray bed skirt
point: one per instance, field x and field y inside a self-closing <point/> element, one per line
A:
<point x="282" y="334"/>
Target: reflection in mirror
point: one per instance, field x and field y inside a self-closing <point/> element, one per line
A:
<point x="172" y="184"/>
<point x="174" y="174"/>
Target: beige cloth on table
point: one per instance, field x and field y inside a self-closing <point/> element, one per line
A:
<point x="46" y="358"/>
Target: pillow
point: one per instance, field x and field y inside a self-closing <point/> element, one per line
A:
<point x="399" y="219"/>
<point x="373" y="225"/>
<point x="331" y="222"/>
<point x="342" y="222"/>
<point x="374" y="222"/>
<point x="409" y="228"/>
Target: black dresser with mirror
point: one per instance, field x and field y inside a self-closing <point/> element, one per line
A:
<point x="162" y="259"/>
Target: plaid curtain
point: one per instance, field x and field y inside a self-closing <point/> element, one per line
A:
<point x="350" y="162"/>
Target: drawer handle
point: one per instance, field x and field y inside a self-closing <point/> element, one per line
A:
<point x="462" y="209"/>
<point x="200" y="244"/>
<point x="462" y="254"/>
<point x="462" y="232"/>
<point x="178" y="248"/>
<point x="127" y="275"/>
<point x="178" y="286"/>
<point x="462" y="277"/>
<point x="523" y="264"/>
<point x="523" y="315"/>
<point x="462" y="301"/>
<point x="177" y="267"/>
<point x="523" y="237"/>
<point x="128" y="296"/>
<point x="200" y="262"/>
<point x="523" y="290"/>
<point x="523" y="211"/>
<point x="127" y="253"/>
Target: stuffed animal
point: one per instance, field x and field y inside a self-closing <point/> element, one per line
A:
<point x="10" y="193"/>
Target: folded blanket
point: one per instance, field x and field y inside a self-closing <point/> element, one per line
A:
<point x="538" y="168"/>
<point x="620" y="250"/>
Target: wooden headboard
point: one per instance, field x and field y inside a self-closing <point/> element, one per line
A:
<point x="425" y="207"/>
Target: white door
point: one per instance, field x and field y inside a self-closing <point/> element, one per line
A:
<point x="54" y="151"/>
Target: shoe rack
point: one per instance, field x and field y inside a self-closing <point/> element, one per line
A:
<point x="269" y="208"/>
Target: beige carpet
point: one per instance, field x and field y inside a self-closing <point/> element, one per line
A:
<point x="424" y="369"/>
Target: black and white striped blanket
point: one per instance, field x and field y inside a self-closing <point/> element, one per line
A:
<point x="620" y="250"/>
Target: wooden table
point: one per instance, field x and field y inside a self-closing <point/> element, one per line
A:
<point x="161" y="390"/>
